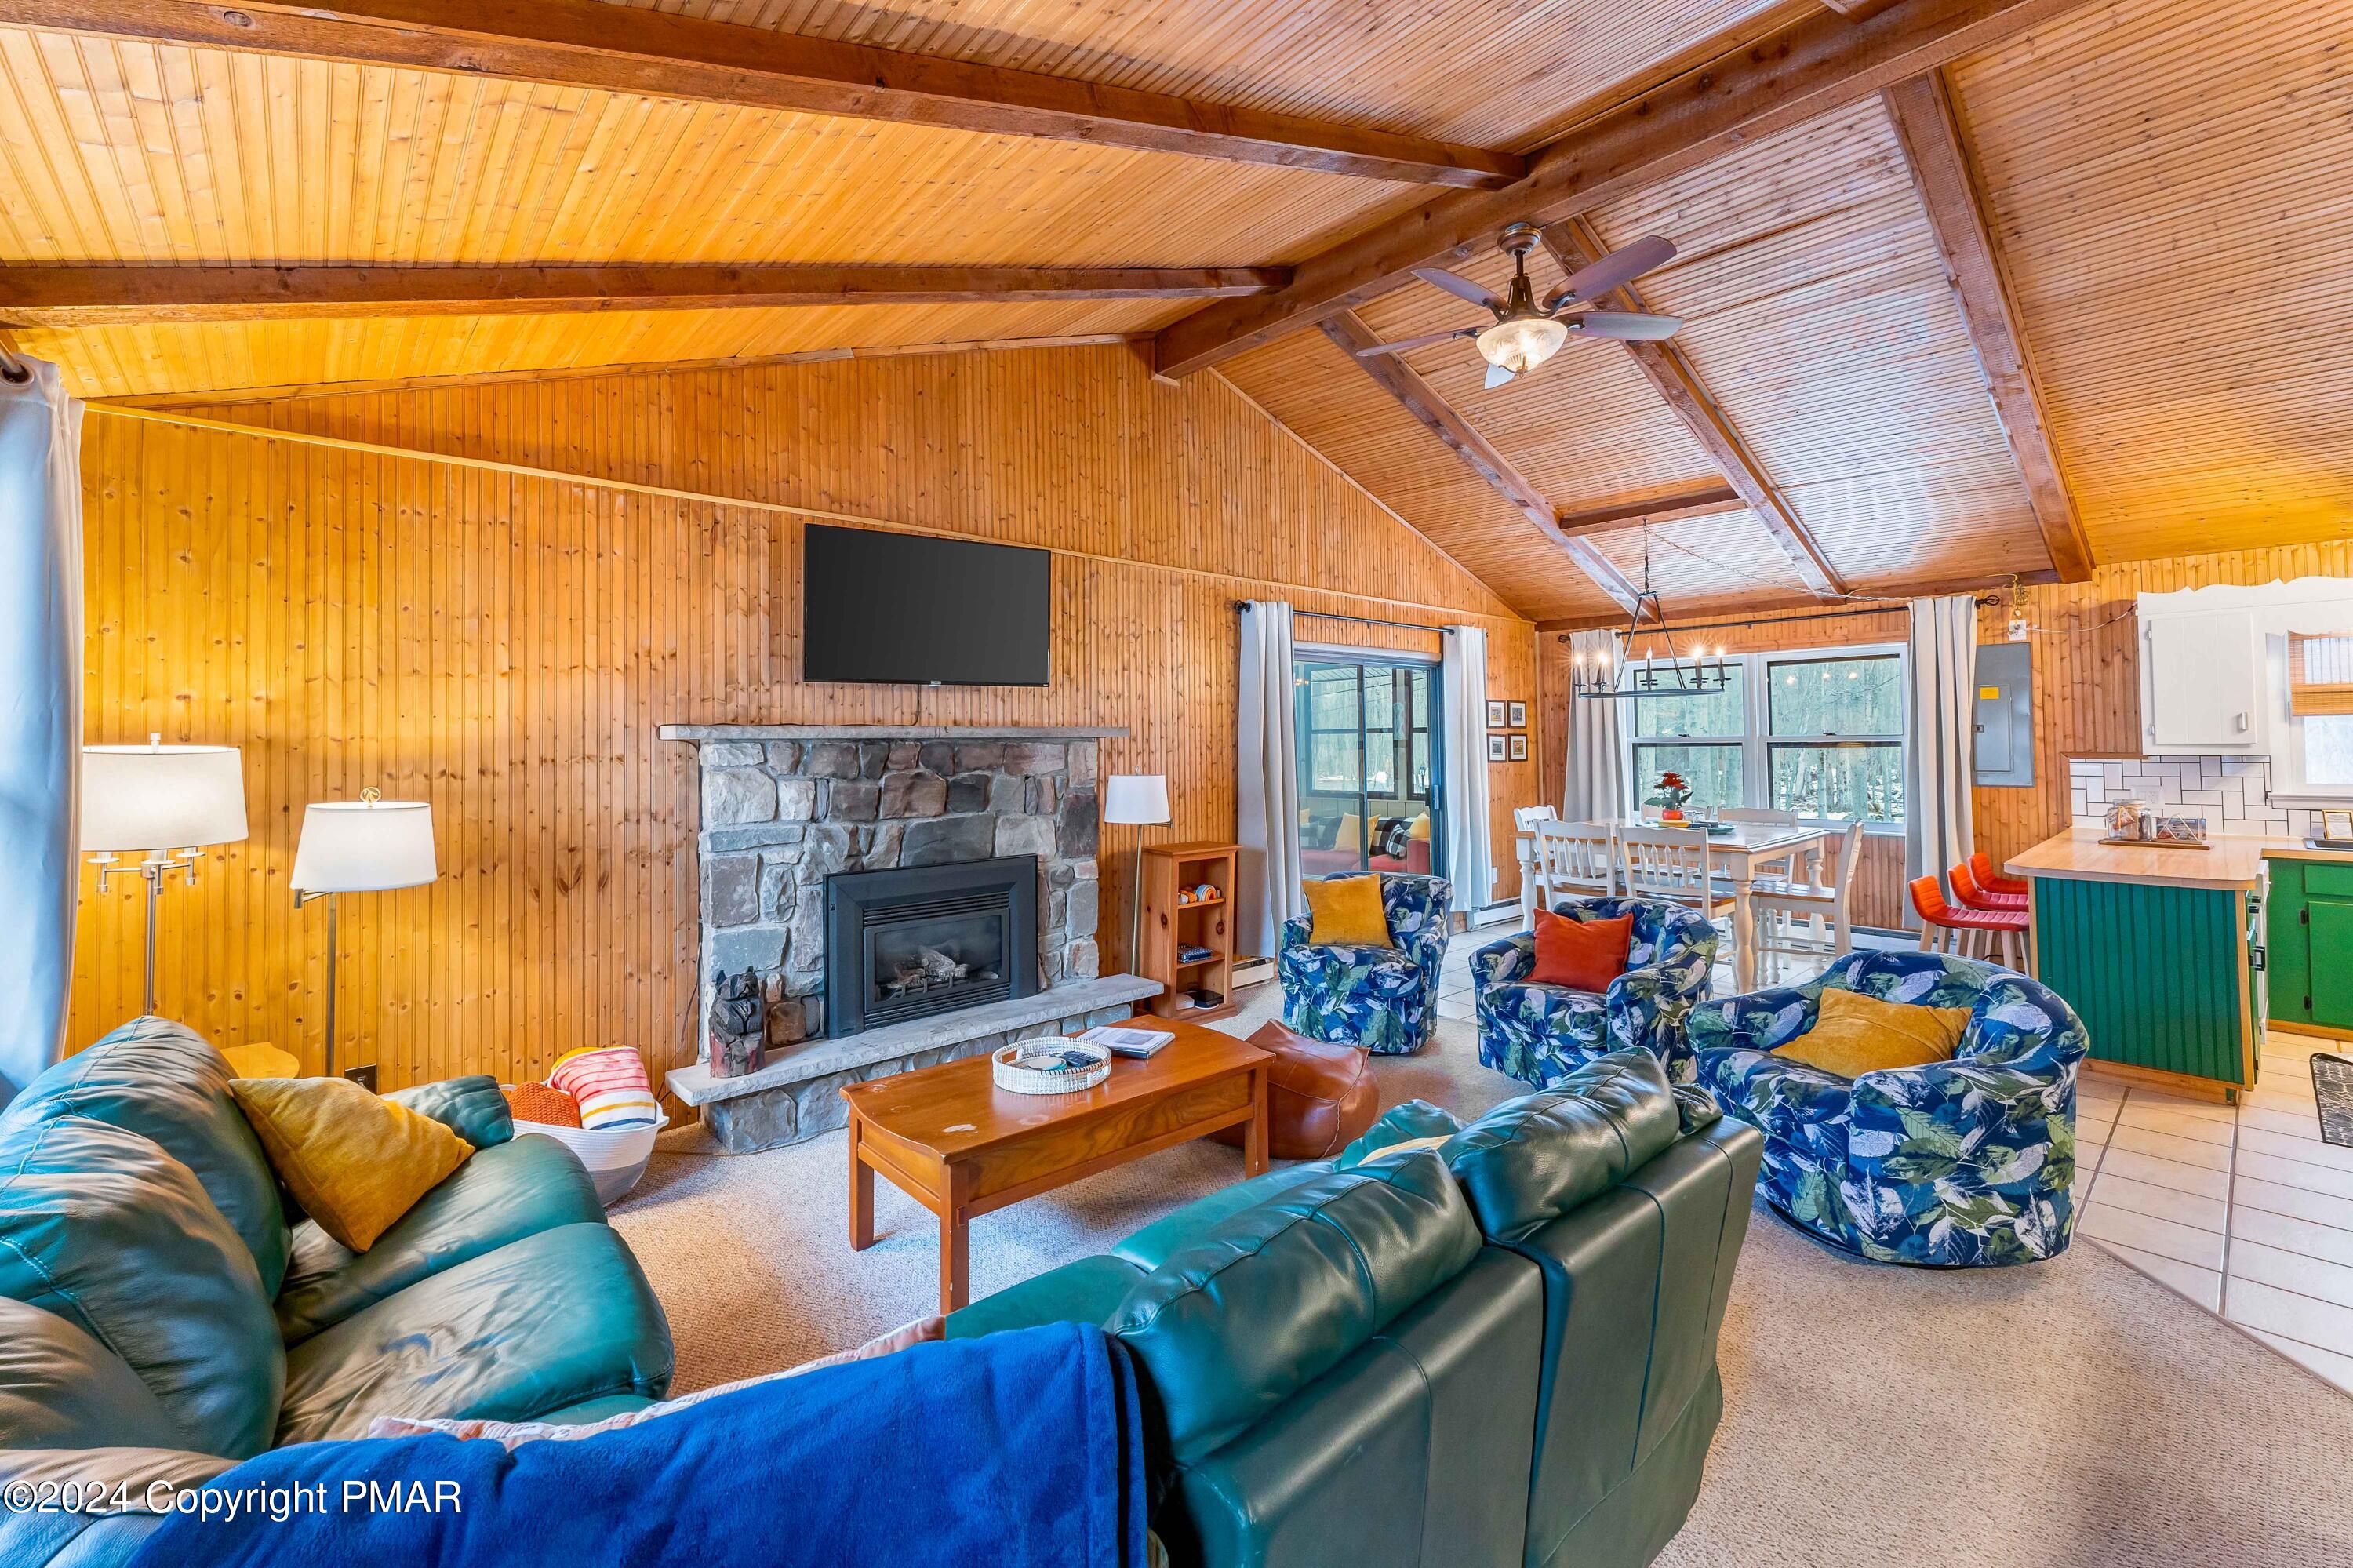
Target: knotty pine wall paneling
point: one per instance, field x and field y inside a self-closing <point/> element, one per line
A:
<point x="505" y="645"/>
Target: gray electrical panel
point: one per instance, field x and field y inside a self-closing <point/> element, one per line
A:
<point x="2006" y="713"/>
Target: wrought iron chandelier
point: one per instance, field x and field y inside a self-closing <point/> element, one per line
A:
<point x="1604" y="679"/>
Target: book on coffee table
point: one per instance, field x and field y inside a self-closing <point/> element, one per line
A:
<point x="1137" y="1043"/>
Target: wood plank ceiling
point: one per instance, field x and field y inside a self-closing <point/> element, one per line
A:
<point x="2109" y="166"/>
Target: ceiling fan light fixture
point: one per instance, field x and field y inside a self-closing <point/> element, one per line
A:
<point x="1522" y="344"/>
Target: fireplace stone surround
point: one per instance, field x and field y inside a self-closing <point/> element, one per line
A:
<point x="786" y="805"/>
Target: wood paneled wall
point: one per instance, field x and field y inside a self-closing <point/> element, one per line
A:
<point x="506" y="646"/>
<point x="1880" y="897"/>
<point x="2087" y="670"/>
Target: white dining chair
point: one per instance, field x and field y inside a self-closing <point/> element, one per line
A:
<point x="1574" y="860"/>
<point x="1811" y="915"/>
<point x="1525" y="818"/>
<point x="1760" y="817"/>
<point x="1672" y="866"/>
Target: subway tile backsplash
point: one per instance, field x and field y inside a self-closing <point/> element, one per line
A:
<point x="2232" y="794"/>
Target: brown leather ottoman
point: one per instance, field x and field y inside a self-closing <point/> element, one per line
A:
<point x="1318" y="1097"/>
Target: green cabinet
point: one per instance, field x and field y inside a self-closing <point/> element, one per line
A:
<point x="2309" y="927"/>
<point x="2161" y="975"/>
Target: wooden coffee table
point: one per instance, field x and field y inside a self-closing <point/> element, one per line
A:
<point x="961" y="1146"/>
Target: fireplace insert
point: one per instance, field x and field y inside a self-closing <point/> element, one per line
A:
<point x="924" y="939"/>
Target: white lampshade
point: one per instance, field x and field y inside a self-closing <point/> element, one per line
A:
<point x="364" y="846"/>
<point x="157" y="797"/>
<point x="1135" y="797"/>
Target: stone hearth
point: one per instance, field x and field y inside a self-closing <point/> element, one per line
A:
<point x="786" y="806"/>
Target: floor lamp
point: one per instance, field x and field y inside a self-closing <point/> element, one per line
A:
<point x="365" y="845"/>
<point x="1142" y="800"/>
<point x="164" y="800"/>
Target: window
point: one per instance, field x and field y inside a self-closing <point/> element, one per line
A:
<point x="1700" y="737"/>
<point x="1836" y="743"/>
<point x="1366" y="761"/>
<point x="1818" y="734"/>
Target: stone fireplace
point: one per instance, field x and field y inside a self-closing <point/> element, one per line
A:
<point x="810" y="830"/>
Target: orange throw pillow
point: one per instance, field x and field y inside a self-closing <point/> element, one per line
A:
<point x="1583" y="955"/>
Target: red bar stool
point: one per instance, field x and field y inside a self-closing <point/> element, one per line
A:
<point x="1958" y="931"/>
<point x="1974" y="894"/>
<point x="1981" y="867"/>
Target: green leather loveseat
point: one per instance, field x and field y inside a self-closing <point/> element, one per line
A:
<point x="155" y="1295"/>
<point x="1493" y="1352"/>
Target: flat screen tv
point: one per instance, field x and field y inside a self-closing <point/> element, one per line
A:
<point x="911" y="610"/>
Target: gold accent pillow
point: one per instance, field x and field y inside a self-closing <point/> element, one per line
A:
<point x="354" y="1162"/>
<point x="1348" y="912"/>
<point x="1855" y="1034"/>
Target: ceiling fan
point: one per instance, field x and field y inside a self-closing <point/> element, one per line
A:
<point x="1525" y="333"/>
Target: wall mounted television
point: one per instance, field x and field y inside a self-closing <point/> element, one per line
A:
<point x="908" y="610"/>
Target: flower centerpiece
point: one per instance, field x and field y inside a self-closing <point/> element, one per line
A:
<point x="1669" y="795"/>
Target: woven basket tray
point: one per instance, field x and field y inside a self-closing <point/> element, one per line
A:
<point x="1012" y="1069"/>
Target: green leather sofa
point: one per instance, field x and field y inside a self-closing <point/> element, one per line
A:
<point x="1495" y="1352"/>
<point x="157" y="1296"/>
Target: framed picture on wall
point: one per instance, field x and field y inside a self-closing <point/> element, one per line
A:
<point x="1519" y="716"/>
<point x="1519" y="748"/>
<point x="1496" y="752"/>
<point x="1494" y="713"/>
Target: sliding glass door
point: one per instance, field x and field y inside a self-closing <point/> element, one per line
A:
<point x="1370" y="780"/>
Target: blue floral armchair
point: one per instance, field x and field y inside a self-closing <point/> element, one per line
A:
<point x="1380" y="998"/>
<point x="1969" y="1163"/>
<point x="1541" y="1034"/>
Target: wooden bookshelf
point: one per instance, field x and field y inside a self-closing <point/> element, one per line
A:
<point x="1172" y="925"/>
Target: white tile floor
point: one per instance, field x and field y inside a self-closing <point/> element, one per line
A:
<point x="2243" y="1209"/>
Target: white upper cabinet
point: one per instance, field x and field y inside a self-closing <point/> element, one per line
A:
<point x="2201" y="684"/>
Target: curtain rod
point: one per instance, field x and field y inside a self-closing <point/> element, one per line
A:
<point x="1893" y="606"/>
<point x="1359" y="619"/>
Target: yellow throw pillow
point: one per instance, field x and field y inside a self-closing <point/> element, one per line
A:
<point x="354" y="1162"/>
<point x="1420" y="828"/>
<point x="1347" y="912"/>
<point x="1855" y="1034"/>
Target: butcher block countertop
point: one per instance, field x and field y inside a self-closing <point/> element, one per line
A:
<point x="2232" y="863"/>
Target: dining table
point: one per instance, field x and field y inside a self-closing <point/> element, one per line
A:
<point x="1738" y="853"/>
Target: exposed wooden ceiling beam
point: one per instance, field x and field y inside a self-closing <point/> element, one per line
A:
<point x="1652" y="509"/>
<point x="1820" y="62"/>
<point x="1574" y="244"/>
<point x="1890" y="598"/>
<point x="108" y="296"/>
<point x="653" y="54"/>
<point x="1422" y="400"/>
<point x="1942" y="170"/>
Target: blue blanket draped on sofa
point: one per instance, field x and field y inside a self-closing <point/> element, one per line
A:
<point x="1017" y="1450"/>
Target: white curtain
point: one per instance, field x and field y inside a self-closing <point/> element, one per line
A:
<point x="1941" y="728"/>
<point x="1462" y="686"/>
<point x="40" y="714"/>
<point x="1267" y="786"/>
<point x="1596" y="789"/>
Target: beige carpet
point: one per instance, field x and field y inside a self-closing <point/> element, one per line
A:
<point x="2072" y="1414"/>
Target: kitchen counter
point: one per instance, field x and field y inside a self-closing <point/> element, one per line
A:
<point x="2233" y="862"/>
<point x="2158" y="953"/>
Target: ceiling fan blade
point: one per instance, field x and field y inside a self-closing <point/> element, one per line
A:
<point x="1458" y="285"/>
<point x="1615" y="270"/>
<point x="1406" y="344"/>
<point x="1623" y="324"/>
<point x="1497" y="375"/>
